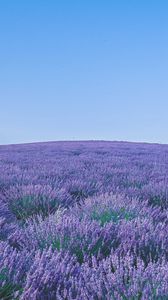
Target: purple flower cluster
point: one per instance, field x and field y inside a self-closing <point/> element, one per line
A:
<point x="84" y="220"/>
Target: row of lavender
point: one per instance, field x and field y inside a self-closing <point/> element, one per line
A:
<point x="84" y="220"/>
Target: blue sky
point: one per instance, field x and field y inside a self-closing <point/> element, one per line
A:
<point x="89" y="69"/>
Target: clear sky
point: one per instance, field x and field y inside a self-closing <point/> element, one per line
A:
<point x="83" y="69"/>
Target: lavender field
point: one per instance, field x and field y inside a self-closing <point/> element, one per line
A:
<point x="84" y="220"/>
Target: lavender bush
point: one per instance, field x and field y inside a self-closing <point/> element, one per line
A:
<point x="84" y="220"/>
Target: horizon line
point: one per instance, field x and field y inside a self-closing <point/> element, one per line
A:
<point x="89" y="140"/>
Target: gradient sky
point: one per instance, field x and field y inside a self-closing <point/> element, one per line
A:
<point x="86" y="69"/>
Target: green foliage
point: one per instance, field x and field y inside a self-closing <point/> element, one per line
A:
<point x="8" y="289"/>
<point x="56" y="242"/>
<point x="160" y="201"/>
<point x="109" y="215"/>
<point x="28" y="206"/>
